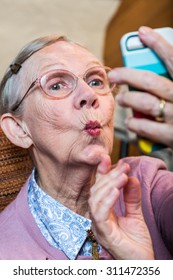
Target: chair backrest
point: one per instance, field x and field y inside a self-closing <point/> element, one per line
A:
<point x="15" y="167"/>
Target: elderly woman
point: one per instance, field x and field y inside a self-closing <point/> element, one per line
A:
<point x="57" y="102"/>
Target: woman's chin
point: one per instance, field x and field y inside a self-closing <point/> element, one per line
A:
<point x="93" y="154"/>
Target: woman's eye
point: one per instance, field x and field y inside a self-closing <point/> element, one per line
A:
<point x="96" y="83"/>
<point x="56" y="86"/>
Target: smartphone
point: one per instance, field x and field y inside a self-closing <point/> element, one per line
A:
<point x="138" y="56"/>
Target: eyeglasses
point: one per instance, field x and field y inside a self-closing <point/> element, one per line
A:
<point x="59" y="83"/>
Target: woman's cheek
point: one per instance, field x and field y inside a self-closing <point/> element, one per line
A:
<point x="108" y="109"/>
<point x="53" y="116"/>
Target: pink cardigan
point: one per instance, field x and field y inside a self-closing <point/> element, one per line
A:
<point x="20" y="238"/>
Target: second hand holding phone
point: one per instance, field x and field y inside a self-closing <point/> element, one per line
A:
<point x="138" y="56"/>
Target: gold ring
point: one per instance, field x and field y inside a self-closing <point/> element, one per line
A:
<point x="160" y="117"/>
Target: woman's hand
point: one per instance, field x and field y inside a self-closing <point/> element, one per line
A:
<point x="152" y="88"/>
<point x="124" y="237"/>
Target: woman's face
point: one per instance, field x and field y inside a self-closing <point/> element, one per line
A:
<point x="77" y="128"/>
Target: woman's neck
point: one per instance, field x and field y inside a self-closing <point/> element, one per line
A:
<point x="70" y="185"/>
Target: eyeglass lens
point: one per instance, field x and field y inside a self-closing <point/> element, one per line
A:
<point x="59" y="83"/>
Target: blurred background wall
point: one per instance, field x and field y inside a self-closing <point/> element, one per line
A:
<point x="84" y="21"/>
<point x="129" y="16"/>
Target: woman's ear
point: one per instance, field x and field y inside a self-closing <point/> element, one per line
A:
<point x="13" y="129"/>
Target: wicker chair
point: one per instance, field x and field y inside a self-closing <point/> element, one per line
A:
<point x="15" y="167"/>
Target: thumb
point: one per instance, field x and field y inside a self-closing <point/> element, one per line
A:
<point x="104" y="165"/>
<point x="160" y="45"/>
<point x="132" y="197"/>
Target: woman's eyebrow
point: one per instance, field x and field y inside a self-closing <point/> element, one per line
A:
<point x="94" y="62"/>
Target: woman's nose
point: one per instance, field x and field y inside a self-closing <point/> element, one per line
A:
<point x="85" y="96"/>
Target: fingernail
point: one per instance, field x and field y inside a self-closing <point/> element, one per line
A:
<point x="144" y="30"/>
<point x="122" y="167"/>
<point x="112" y="75"/>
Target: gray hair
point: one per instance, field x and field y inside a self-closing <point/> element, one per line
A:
<point x="10" y="89"/>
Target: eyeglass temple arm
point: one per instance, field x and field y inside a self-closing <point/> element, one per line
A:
<point x="14" y="108"/>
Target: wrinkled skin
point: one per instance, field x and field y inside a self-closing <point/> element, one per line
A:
<point x="73" y="165"/>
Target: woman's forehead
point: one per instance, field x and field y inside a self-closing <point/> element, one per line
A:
<point x="67" y="55"/>
<point x="65" y="46"/>
<point x="63" y="50"/>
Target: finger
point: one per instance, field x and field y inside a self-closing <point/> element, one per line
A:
<point x="143" y="80"/>
<point x="168" y="113"/>
<point x="96" y="156"/>
<point x="100" y="191"/>
<point x="108" y="181"/>
<point x="104" y="165"/>
<point x="101" y="203"/>
<point x="110" y="178"/>
<point x="132" y="197"/>
<point x="152" y="130"/>
<point x="145" y="103"/>
<point x="139" y="101"/>
<point x="156" y="42"/>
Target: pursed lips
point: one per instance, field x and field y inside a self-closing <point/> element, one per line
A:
<point x="93" y="128"/>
